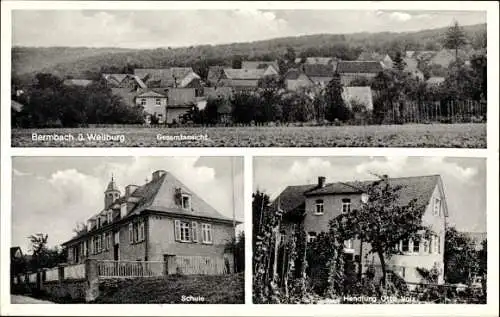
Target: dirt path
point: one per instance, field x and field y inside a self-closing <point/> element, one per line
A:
<point x="19" y="299"/>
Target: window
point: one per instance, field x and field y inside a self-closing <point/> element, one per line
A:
<point x="98" y="221"/>
<point x="426" y="246"/>
<point x="110" y="216"/>
<point x="158" y="101"/>
<point x="311" y="236"/>
<point x="85" y="248"/>
<point x="143" y="102"/>
<point x="185" y="232"/>
<point x="108" y="246"/>
<point x="320" y="207"/>
<point x="123" y="210"/>
<point x="206" y="232"/>
<point x="136" y="232"/>
<point x="416" y="246"/>
<point x="348" y="244"/>
<point x="437" y="207"/>
<point x="405" y="246"/>
<point x="346" y="205"/>
<point x="438" y="244"/>
<point x="141" y="231"/>
<point x="130" y="232"/>
<point x="431" y="245"/>
<point x="186" y="202"/>
<point x="194" y="227"/>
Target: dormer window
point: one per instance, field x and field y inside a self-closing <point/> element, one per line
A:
<point x="186" y="202"/>
<point x="320" y="207"/>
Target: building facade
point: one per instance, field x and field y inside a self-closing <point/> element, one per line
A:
<point x="319" y="203"/>
<point x="158" y="221"/>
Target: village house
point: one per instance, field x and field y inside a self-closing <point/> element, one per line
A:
<point x="129" y="81"/>
<point x="319" y="74"/>
<point x="411" y="67"/>
<point x="154" y="105"/>
<point x="271" y="67"/>
<point x="223" y="94"/>
<point x="242" y="79"/>
<point x="360" y="95"/>
<point x="351" y="70"/>
<point x="162" y="220"/>
<point x="315" y="60"/>
<point x="179" y="102"/>
<point x="295" y="80"/>
<point x="386" y="60"/>
<point x="315" y="204"/>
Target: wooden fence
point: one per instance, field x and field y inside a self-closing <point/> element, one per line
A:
<point x="201" y="265"/>
<point x="122" y="269"/>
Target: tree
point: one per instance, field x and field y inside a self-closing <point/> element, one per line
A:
<point x="237" y="61"/>
<point x="382" y="222"/>
<point x="260" y="203"/>
<point x="290" y="55"/>
<point x="237" y="247"/>
<point x="335" y="105"/>
<point x="398" y="62"/>
<point x="460" y="258"/>
<point x="455" y="38"/>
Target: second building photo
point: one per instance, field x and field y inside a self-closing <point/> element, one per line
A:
<point x="363" y="230"/>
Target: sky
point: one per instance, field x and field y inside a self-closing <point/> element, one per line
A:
<point x="464" y="179"/>
<point x="52" y="194"/>
<point x="173" y="28"/>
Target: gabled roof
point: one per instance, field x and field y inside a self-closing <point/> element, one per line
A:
<point x="259" y="64"/>
<point x="232" y="73"/>
<point x="318" y="70"/>
<point x="117" y="77"/>
<point x="165" y="77"/>
<point x="419" y="187"/>
<point x="359" y="67"/>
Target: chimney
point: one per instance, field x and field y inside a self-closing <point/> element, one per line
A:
<point x="130" y="189"/>
<point x="158" y="174"/>
<point x="321" y="181"/>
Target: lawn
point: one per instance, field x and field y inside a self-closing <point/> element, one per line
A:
<point x="182" y="289"/>
<point x="471" y="135"/>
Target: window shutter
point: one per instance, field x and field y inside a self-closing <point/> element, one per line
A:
<point x="177" y="230"/>
<point x="130" y="232"/>
<point x="194" y="229"/>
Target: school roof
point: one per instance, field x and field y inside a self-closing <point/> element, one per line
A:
<point x="158" y="196"/>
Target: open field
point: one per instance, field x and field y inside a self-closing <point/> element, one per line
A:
<point x="468" y="135"/>
<point x="188" y="289"/>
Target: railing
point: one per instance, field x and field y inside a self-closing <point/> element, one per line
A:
<point x="52" y="274"/>
<point x="201" y="265"/>
<point x="74" y="272"/>
<point x="122" y="269"/>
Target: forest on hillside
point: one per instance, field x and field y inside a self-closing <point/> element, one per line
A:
<point x="88" y="62"/>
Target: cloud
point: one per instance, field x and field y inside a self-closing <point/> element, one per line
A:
<point x="19" y="173"/>
<point x="400" y="16"/>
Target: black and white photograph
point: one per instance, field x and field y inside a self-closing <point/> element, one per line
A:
<point x="121" y="230"/>
<point x="369" y="230"/>
<point x="249" y="77"/>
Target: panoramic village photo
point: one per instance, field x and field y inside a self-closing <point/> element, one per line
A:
<point x="369" y="230"/>
<point x="119" y="230"/>
<point x="249" y="78"/>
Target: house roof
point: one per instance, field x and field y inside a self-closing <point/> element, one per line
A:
<point x="360" y="94"/>
<point x="181" y="97"/>
<point x="77" y="82"/>
<point x="259" y="64"/>
<point x="292" y="197"/>
<point x="118" y="77"/>
<point x="215" y="73"/>
<point x="318" y="70"/>
<point x="152" y="94"/>
<point x="370" y="56"/>
<point x="112" y="186"/>
<point x="158" y="195"/>
<point x="410" y="63"/>
<point x="164" y="76"/>
<point x="248" y="74"/>
<point x="359" y="67"/>
<point x="16" y="105"/>
<point x="419" y="187"/>
<point x="319" y="60"/>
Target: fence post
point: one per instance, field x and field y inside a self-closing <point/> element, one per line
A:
<point x="92" y="278"/>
